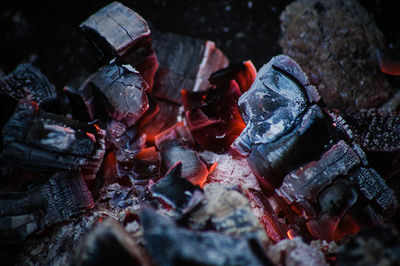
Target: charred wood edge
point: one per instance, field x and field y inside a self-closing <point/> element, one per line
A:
<point x="28" y="82"/>
<point x="109" y="30"/>
<point x="62" y="196"/>
<point x="173" y="189"/>
<point x="21" y="149"/>
<point x="185" y="63"/>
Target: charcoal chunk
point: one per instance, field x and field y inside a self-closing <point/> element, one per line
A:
<point x="185" y="63"/>
<point x="176" y="144"/>
<point x="61" y="197"/>
<point x="173" y="189"/>
<point x="172" y="245"/>
<point x="28" y="82"/>
<point x="116" y="27"/>
<point x="38" y="140"/>
<point x="308" y="181"/>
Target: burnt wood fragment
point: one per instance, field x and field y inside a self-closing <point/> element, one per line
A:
<point x="226" y="209"/>
<point x="176" y="144"/>
<point x="28" y="82"/>
<point x="116" y="28"/>
<point x="173" y="189"/>
<point x="37" y="140"/>
<point x="118" y="32"/>
<point x="166" y="117"/>
<point x="169" y="244"/>
<point x="185" y="63"/>
<point x="213" y="117"/>
<point x="59" y="198"/>
<point x="244" y="73"/>
<point x="114" y="92"/>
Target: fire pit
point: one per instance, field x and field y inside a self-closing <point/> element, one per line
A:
<point x="159" y="150"/>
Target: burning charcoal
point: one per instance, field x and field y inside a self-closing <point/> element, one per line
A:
<point x="117" y="31"/>
<point x="372" y="246"/>
<point x="389" y="60"/>
<point x="283" y="124"/>
<point x="176" y="145"/>
<point x="27" y="82"/>
<point x="173" y="190"/>
<point x="171" y="245"/>
<point x="110" y="244"/>
<point x="302" y="187"/>
<point x="228" y="211"/>
<point x="114" y="92"/>
<point x="137" y="171"/>
<point x="295" y="252"/>
<point x="37" y="140"/>
<point x="213" y="117"/>
<point x="185" y="63"/>
<point x="282" y="101"/>
<point x="146" y="166"/>
<point x="303" y="154"/>
<point x="278" y="218"/>
<point x="243" y="73"/>
<point x="166" y="117"/>
<point x="59" y="198"/>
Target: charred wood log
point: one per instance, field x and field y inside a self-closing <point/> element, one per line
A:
<point x="59" y="198"/>
<point x="38" y="140"/>
<point x="305" y="154"/>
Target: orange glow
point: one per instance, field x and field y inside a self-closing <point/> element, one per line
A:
<point x="245" y="78"/>
<point x="212" y="167"/>
<point x="149" y="153"/>
<point x="290" y="234"/>
<point x="184" y="94"/>
<point x="387" y="65"/>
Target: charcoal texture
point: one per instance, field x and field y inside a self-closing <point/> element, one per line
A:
<point x="60" y="198"/>
<point x="189" y="247"/>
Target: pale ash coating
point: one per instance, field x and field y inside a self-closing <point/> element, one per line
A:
<point x="337" y="42"/>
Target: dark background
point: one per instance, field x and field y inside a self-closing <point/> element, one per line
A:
<point x="46" y="33"/>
